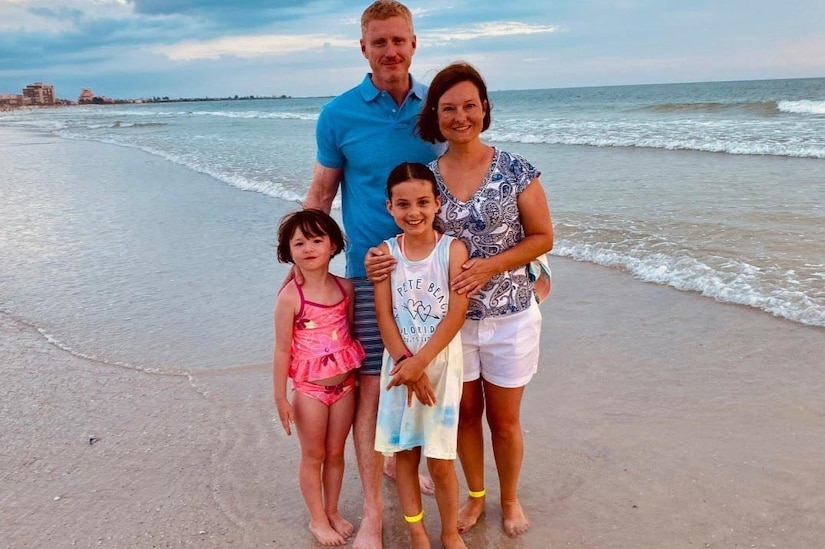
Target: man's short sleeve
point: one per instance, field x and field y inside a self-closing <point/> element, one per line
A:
<point x="329" y="153"/>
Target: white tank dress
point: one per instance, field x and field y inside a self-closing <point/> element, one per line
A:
<point x="421" y="294"/>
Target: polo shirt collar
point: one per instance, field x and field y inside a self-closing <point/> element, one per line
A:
<point x="370" y="92"/>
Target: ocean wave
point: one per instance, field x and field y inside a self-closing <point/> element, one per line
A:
<point x="708" y="144"/>
<point x="66" y="347"/>
<point x="274" y="189"/>
<point x="119" y="124"/>
<point x="741" y="284"/>
<point x="114" y="112"/>
<point x="802" y="107"/>
<point x="258" y="114"/>
<point x="38" y="125"/>
<point x="756" y="107"/>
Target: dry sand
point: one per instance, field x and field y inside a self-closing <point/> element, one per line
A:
<point x="659" y="419"/>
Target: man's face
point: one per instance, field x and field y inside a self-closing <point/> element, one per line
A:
<point x="389" y="45"/>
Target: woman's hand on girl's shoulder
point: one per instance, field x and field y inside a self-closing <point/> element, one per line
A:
<point x="476" y="272"/>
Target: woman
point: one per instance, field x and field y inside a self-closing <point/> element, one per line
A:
<point x="494" y="202"/>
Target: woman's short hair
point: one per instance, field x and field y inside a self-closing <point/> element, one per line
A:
<point x="446" y="78"/>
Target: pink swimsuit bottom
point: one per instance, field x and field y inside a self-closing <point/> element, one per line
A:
<point x="328" y="394"/>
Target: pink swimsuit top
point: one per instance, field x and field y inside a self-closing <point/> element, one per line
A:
<point x="322" y="346"/>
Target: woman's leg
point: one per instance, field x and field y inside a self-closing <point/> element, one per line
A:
<point x="471" y="451"/>
<point x="504" y="418"/>
<point x="446" y="497"/>
<point x="409" y="495"/>
<point x="338" y="426"/>
<point x="311" y="418"/>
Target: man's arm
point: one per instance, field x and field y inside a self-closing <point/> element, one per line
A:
<point x="324" y="187"/>
<point x="321" y="193"/>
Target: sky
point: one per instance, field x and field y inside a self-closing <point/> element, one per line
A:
<point x="211" y="48"/>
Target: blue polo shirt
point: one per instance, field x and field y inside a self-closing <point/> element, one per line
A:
<point x="367" y="134"/>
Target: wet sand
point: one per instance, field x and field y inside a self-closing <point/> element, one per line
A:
<point x="658" y="419"/>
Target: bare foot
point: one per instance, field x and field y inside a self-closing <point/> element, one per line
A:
<point x="425" y="484"/>
<point x="453" y="541"/>
<point x="469" y="513"/>
<point x="325" y="534"/>
<point x="340" y="524"/>
<point x="513" y="519"/>
<point x="369" y="533"/>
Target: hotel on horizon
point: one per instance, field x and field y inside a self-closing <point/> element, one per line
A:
<point x="37" y="94"/>
<point x="40" y="94"/>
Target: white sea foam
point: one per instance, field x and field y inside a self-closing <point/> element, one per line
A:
<point x="63" y="346"/>
<point x="258" y="114"/>
<point x="739" y="283"/>
<point x="630" y="138"/>
<point x="275" y="189"/>
<point x="802" y="107"/>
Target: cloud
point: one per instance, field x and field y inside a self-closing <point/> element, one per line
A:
<point x="60" y="13"/>
<point x="237" y="15"/>
<point x="190" y="47"/>
<point x="250" y="46"/>
<point x="493" y="29"/>
<point x="262" y="45"/>
<point x="190" y="7"/>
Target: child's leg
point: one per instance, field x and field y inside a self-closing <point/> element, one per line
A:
<point x="409" y="494"/>
<point x="338" y="426"/>
<point x="311" y="418"/>
<point x="446" y="497"/>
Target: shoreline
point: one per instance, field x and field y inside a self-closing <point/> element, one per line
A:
<point x="675" y="426"/>
<point x="659" y="417"/>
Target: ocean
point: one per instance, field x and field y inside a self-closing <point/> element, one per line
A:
<point x="126" y="257"/>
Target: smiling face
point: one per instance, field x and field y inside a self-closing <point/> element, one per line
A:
<point x="310" y="252"/>
<point x="388" y="45"/>
<point x="413" y="206"/>
<point x="461" y="113"/>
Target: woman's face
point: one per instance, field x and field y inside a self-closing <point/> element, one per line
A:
<point x="461" y="113"/>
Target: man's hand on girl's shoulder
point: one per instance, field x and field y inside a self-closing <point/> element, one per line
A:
<point x="378" y="264"/>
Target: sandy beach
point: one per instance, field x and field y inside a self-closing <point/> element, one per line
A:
<point x="658" y="419"/>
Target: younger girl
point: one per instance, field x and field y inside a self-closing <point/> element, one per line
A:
<point x="420" y="318"/>
<point x="314" y="347"/>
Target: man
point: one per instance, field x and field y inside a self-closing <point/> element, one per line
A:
<point x="362" y="135"/>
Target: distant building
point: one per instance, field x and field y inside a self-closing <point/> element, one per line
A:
<point x="87" y="96"/>
<point x="39" y="94"/>
<point x="10" y="100"/>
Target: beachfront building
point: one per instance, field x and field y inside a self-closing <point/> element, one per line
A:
<point x="39" y="93"/>
<point x="87" y="96"/>
<point x="10" y="101"/>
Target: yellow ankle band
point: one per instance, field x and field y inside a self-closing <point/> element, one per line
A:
<point x="416" y="518"/>
<point x="480" y="494"/>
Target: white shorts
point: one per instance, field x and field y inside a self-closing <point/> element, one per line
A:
<point x="504" y="350"/>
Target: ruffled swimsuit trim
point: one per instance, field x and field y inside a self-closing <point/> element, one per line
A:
<point x="322" y="346"/>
